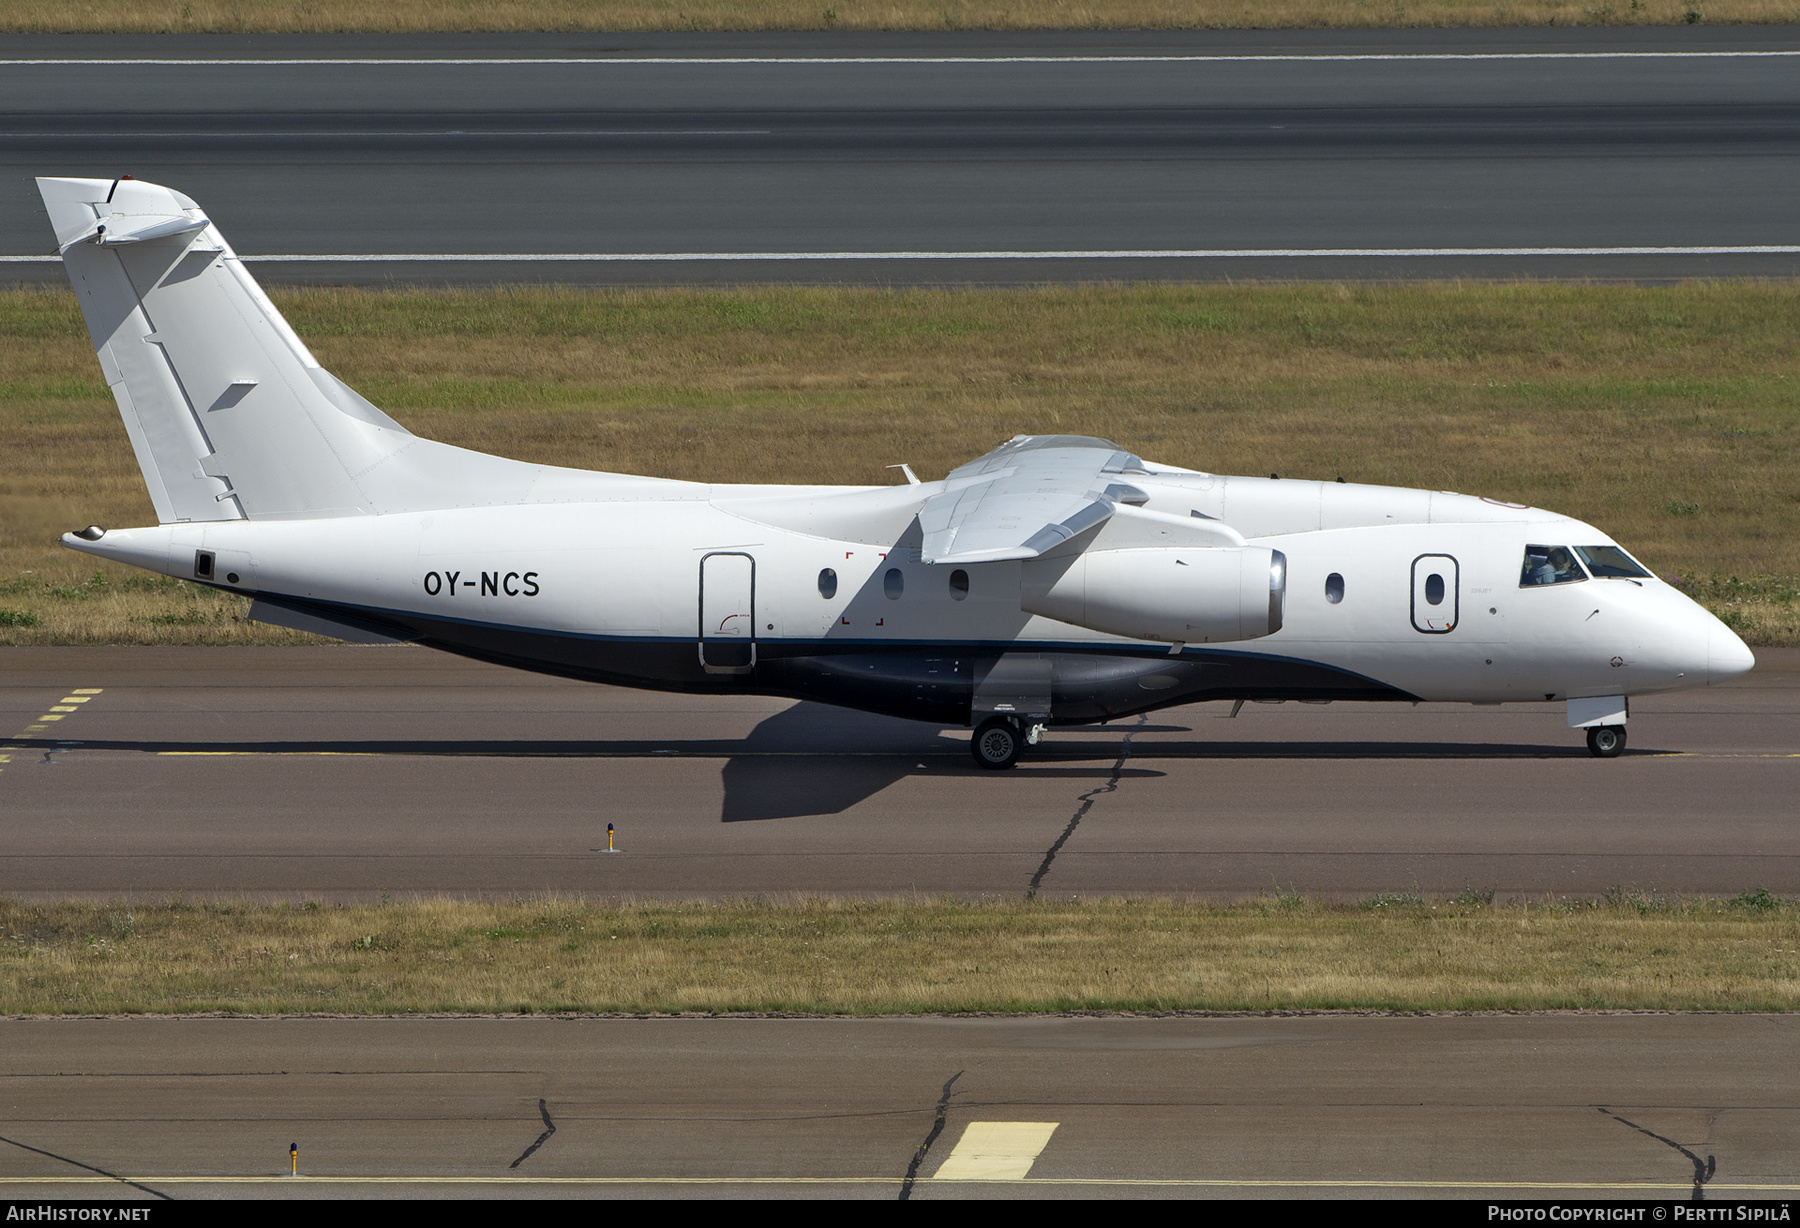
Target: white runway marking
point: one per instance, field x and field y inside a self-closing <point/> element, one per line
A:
<point x="1267" y="253"/>
<point x="704" y="62"/>
<point x="996" y="1151"/>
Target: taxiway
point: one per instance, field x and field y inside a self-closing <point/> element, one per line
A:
<point x="344" y="772"/>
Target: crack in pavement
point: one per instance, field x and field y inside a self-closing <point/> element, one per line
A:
<point x="1702" y="1172"/>
<point x="78" y="1164"/>
<point x="1087" y="804"/>
<point x="937" y="1128"/>
<point x="549" y="1129"/>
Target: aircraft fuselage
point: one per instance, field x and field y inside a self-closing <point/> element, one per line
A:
<point x="745" y="589"/>
<point x="1055" y="580"/>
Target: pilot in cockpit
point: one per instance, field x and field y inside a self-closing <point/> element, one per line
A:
<point x="1549" y="565"/>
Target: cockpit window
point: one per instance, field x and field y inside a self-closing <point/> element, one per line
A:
<point x="1550" y="565"/>
<point x="1611" y="563"/>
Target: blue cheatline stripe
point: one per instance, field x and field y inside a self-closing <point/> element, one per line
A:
<point x="1147" y="652"/>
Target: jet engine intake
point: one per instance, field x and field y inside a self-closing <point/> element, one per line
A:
<point x="1198" y="596"/>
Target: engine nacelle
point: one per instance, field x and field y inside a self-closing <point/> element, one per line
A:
<point x="1197" y="596"/>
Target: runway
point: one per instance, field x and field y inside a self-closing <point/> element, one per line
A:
<point x="345" y="772"/>
<point x="1614" y="153"/>
<point x="1571" y="1108"/>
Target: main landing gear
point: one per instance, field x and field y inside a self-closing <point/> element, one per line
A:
<point x="999" y="739"/>
<point x="1606" y="741"/>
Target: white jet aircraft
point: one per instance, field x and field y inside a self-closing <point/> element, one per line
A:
<point x="1058" y="580"/>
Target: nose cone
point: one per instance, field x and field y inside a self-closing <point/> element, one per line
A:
<point x="1678" y="642"/>
<point x="1727" y="656"/>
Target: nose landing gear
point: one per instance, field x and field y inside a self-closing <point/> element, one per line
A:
<point x="1606" y="741"/>
<point x="998" y="741"/>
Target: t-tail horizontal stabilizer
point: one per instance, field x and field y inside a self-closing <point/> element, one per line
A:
<point x="230" y="414"/>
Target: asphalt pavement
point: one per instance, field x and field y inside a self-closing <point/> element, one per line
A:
<point x="1562" y="1107"/>
<point x="345" y="772"/>
<point x="341" y="772"/>
<point x="1611" y="153"/>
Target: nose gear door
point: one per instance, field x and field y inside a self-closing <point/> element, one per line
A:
<point x="727" y="613"/>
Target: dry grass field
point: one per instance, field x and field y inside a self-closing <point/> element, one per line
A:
<point x="324" y="16"/>
<point x="881" y="957"/>
<point x="1667" y="416"/>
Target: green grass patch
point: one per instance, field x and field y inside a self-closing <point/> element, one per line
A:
<point x="1667" y="416"/>
<point x="425" y="16"/>
<point x="1632" y="950"/>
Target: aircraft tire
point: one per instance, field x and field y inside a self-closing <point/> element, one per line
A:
<point x="1606" y="741"/>
<point x="996" y="744"/>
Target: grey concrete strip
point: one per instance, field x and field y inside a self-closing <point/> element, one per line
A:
<point x="341" y="773"/>
<point x="1333" y="1106"/>
<point x="688" y="154"/>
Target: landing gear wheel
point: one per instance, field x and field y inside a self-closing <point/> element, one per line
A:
<point x="996" y="744"/>
<point x="1606" y="741"/>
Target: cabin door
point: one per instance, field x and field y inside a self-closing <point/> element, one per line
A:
<point x="727" y="613"/>
<point x="1436" y="594"/>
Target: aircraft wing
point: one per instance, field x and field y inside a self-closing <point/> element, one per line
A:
<point x="1030" y="494"/>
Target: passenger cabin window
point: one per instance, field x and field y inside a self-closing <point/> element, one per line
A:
<point x="959" y="585"/>
<point x="828" y="584"/>
<point x="1434" y="589"/>
<point x="1611" y="563"/>
<point x="1550" y="565"/>
<point x="1334" y="588"/>
<point x="893" y="584"/>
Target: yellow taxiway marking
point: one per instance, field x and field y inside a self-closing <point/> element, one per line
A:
<point x="65" y="705"/>
<point x="996" y="1151"/>
<point x="1708" y="754"/>
<point x="1182" y="1182"/>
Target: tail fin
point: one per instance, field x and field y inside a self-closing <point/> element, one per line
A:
<point x="230" y="414"/>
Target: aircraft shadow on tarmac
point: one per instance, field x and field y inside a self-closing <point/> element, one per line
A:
<point x="812" y="759"/>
